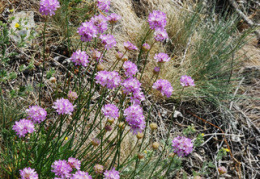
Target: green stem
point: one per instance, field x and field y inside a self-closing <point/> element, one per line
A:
<point x="44" y="56"/>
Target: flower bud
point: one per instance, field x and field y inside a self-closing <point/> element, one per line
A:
<point x="153" y="126"/>
<point x="111" y="120"/>
<point x="125" y="58"/>
<point x="155" y="145"/>
<point x="156" y="70"/>
<point x="140" y="156"/>
<point x="171" y="155"/>
<point x="108" y="128"/>
<point x="146" y="47"/>
<point x="98" y="169"/>
<point x="121" y="125"/>
<point x="72" y="96"/>
<point x="197" y="177"/>
<point x="95" y="141"/>
<point x="119" y="55"/>
<point x="139" y="135"/>
<point x="97" y="55"/>
<point x="53" y="80"/>
<point x="100" y="67"/>
<point x="222" y="170"/>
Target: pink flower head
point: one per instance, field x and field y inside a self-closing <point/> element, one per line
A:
<point x="222" y="170"/>
<point x="164" y="87"/>
<point x="61" y="168"/>
<point x="87" y="31"/>
<point x="146" y="47"/>
<point x="160" y="35"/>
<point x="23" y="127"/>
<point x="131" y="85"/>
<point x="72" y="95"/>
<point x="74" y="163"/>
<point x="81" y="175"/>
<point x="28" y="173"/>
<point x="157" y="19"/>
<point x="129" y="46"/>
<point x="161" y="57"/>
<point x="100" y="22"/>
<point x="103" y="5"/>
<point x="110" y="111"/>
<point x="113" y="18"/>
<point x="111" y="174"/>
<point x="97" y="55"/>
<point x="36" y="114"/>
<point x="110" y="79"/>
<point x="186" y="81"/>
<point x="138" y="97"/>
<point x="182" y="146"/>
<point x="63" y="106"/>
<point x="135" y="118"/>
<point x="108" y="40"/>
<point x="80" y="58"/>
<point x="48" y="7"/>
<point x="130" y="68"/>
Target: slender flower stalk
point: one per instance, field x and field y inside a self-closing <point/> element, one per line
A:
<point x="44" y="57"/>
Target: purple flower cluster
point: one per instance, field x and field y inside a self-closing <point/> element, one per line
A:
<point x="74" y="163"/>
<point x="23" y="127"/>
<point x="108" y="40"/>
<point x="157" y="19"/>
<point x="63" y="106"/>
<point x="36" y="114"/>
<point x="81" y="175"/>
<point x="161" y="57"/>
<point x="103" y="5"/>
<point x="110" y="79"/>
<point x="111" y="174"/>
<point x="129" y="46"/>
<point x="48" y="7"/>
<point x="100" y="22"/>
<point x="61" y="168"/>
<point x="28" y="173"/>
<point x="186" y="81"/>
<point x="182" y="146"/>
<point x="135" y="118"/>
<point x="137" y="97"/>
<point x="130" y="68"/>
<point x="131" y="85"/>
<point x="87" y="31"/>
<point x="110" y="111"/>
<point x="113" y="18"/>
<point x="80" y="58"/>
<point x="160" y="35"/>
<point x="164" y="87"/>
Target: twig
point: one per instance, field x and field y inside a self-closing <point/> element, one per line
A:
<point x="231" y="104"/>
<point x="247" y="118"/>
<point x="246" y="19"/>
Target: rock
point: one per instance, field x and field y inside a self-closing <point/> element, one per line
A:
<point x="25" y="19"/>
